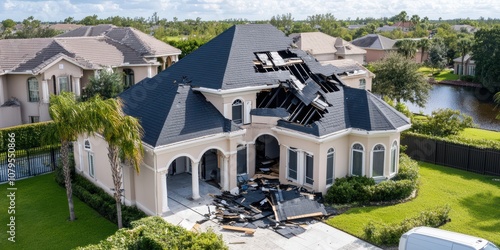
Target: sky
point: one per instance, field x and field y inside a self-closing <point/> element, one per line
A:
<point x="53" y="11"/>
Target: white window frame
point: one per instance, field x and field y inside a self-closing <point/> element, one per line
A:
<point x="379" y="147"/>
<point x="330" y="153"/>
<point x="33" y="94"/>
<point x="362" y="83"/>
<point x="68" y="83"/>
<point x="301" y="167"/>
<point x="90" y="163"/>
<point x="362" y="158"/>
<point x="237" y="102"/>
<point x="394" y="159"/>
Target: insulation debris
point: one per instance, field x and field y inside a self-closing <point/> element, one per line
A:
<point x="268" y="204"/>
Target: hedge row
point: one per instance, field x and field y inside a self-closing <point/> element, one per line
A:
<point x="97" y="198"/>
<point x="478" y="143"/>
<point x="28" y="135"/>
<point x="155" y="233"/>
<point x="387" y="235"/>
<point x="363" y="189"/>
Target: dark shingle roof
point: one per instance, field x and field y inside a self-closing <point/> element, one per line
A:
<point x="172" y="112"/>
<point x="374" y="41"/>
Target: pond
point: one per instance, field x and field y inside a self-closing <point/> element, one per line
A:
<point x="475" y="102"/>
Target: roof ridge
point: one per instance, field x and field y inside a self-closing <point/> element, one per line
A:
<point x="382" y="102"/>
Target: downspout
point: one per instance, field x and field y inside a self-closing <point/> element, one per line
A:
<point x="156" y="183"/>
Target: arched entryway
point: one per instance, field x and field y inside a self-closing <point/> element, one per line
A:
<point x="179" y="178"/>
<point x="267" y="154"/>
<point x="211" y="167"/>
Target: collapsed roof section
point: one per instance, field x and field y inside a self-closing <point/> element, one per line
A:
<point x="302" y="94"/>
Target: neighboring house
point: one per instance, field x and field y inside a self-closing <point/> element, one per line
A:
<point x="65" y="27"/>
<point x="352" y="73"/>
<point x="355" y="26"/>
<point x="325" y="48"/>
<point x="469" y="66"/>
<point x="32" y="69"/>
<point x="376" y="46"/>
<point x="386" y="28"/>
<point x="404" y="26"/>
<point x="464" y="28"/>
<point x="244" y="103"/>
<point x="418" y="55"/>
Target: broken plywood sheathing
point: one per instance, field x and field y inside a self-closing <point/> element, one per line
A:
<point x="248" y="231"/>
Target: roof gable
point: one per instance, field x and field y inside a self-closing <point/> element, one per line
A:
<point x="374" y="41"/>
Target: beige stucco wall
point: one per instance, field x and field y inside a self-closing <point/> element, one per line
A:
<point x="3" y="89"/>
<point x="10" y="116"/>
<point x="353" y="80"/>
<point x="374" y="55"/>
<point x="359" y="58"/>
<point x="325" y="57"/>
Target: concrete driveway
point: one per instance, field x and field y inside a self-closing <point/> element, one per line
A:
<point x="186" y="212"/>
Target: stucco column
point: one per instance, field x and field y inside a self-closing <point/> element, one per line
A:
<point x="163" y="62"/>
<point x="164" y="194"/>
<point x="45" y="91"/>
<point x="225" y="173"/>
<point x="251" y="159"/>
<point x="76" y="82"/>
<point x="195" y="165"/>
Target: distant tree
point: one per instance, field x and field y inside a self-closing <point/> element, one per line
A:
<point x="8" y="24"/>
<point x="424" y="45"/>
<point x="486" y="55"/>
<point x="188" y="46"/>
<point x="90" y="20"/>
<point x="107" y="84"/>
<point x="32" y="28"/>
<point x="407" y="48"/>
<point x="69" y="20"/>
<point x="437" y="55"/>
<point x="399" y="79"/>
<point x="464" y="46"/>
<point x="283" y="22"/>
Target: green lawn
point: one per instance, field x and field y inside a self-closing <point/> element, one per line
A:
<point x="41" y="217"/>
<point x="445" y="74"/>
<point x="475" y="133"/>
<point x="474" y="201"/>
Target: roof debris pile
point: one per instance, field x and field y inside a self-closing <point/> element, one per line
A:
<point x="265" y="203"/>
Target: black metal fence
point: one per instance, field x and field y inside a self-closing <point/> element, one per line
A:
<point x="483" y="161"/>
<point x="28" y="162"/>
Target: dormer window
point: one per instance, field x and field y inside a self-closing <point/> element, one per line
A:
<point x="238" y="111"/>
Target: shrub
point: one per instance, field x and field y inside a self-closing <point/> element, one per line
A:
<point x="443" y="122"/>
<point x="28" y="135"/>
<point x="156" y="233"/>
<point x="349" y="189"/>
<point x="384" y="234"/>
<point x="96" y="197"/>
<point x="363" y="189"/>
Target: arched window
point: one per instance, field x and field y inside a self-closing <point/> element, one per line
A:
<point x="330" y="163"/>
<point x="394" y="153"/>
<point x="357" y="160"/>
<point x="33" y="94"/>
<point x="238" y="111"/>
<point x="378" y="160"/>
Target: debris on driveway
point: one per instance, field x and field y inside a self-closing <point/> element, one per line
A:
<point x="265" y="203"/>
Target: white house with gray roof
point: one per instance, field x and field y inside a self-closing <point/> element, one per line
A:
<point x="248" y="102"/>
<point x="33" y="69"/>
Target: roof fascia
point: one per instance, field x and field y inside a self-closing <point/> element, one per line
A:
<point x="58" y="60"/>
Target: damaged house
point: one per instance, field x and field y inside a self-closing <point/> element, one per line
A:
<point x="249" y="102"/>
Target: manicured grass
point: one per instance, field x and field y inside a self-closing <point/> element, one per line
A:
<point x="475" y="133"/>
<point x="474" y="201"/>
<point x="445" y="74"/>
<point x="42" y="217"/>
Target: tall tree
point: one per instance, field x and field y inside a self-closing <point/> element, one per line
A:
<point x="496" y="98"/>
<point x="464" y="46"/>
<point x="69" y="122"/>
<point x="407" y="48"/>
<point x="107" y="84"/>
<point x="437" y="55"/>
<point x="399" y="79"/>
<point x="123" y="134"/>
<point x="424" y="44"/>
<point x="486" y="55"/>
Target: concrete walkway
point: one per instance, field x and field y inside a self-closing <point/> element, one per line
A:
<point x="185" y="212"/>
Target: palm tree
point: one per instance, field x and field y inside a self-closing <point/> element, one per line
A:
<point x="123" y="134"/>
<point x="407" y="48"/>
<point x="67" y="115"/>
<point x="464" y="46"/>
<point x="424" y="45"/>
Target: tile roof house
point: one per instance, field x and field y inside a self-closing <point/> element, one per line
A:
<point x="325" y="47"/>
<point x="259" y="105"/>
<point x="32" y="69"/>
<point x="376" y="46"/>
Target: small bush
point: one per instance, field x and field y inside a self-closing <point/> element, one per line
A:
<point x="387" y="235"/>
<point x="349" y="189"/>
<point x="443" y="122"/>
<point x="391" y="190"/>
<point x="156" y="233"/>
<point x="408" y="168"/>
